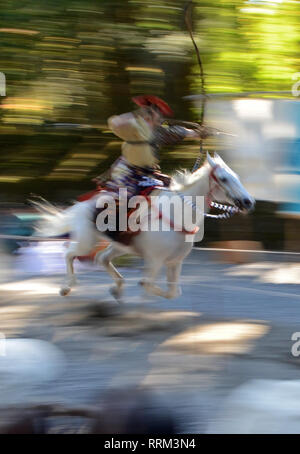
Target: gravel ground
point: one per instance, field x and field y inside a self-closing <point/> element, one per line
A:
<point x="232" y="323"/>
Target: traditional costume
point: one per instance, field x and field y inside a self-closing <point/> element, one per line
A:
<point x="138" y="166"/>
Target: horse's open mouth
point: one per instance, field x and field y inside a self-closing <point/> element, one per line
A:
<point x="244" y="206"/>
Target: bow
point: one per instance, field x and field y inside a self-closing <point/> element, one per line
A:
<point x="188" y="20"/>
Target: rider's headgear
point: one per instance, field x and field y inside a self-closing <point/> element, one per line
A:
<point x="154" y="102"/>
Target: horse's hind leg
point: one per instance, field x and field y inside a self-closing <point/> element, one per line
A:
<point x="105" y="258"/>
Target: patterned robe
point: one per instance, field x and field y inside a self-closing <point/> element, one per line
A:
<point x="138" y="166"/>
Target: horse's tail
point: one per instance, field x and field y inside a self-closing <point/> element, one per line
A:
<point x="55" y="221"/>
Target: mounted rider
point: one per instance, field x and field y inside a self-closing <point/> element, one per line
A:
<point x="144" y="135"/>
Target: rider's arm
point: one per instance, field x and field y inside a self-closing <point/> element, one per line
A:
<point x="191" y="133"/>
<point x="128" y="127"/>
<point x="176" y="133"/>
<point x="119" y="124"/>
<point x="201" y="133"/>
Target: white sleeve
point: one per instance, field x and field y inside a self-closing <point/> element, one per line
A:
<point x="128" y="127"/>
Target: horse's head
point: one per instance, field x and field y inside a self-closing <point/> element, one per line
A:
<point x="226" y="186"/>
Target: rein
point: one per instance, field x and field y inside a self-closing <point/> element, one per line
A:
<point x="229" y="210"/>
<point x="169" y="221"/>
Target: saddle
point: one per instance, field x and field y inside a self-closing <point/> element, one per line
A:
<point x="149" y="184"/>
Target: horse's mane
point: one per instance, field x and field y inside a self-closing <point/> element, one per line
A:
<point x="183" y="178"/>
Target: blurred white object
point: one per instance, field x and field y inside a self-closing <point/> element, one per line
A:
<point x="253" y="109"/>
<point x="29" y="360"/>
<point x="260" y="407"/>
<point x="264" y="151"/>
<point x="26" y="364"/>
<point x="46" y="257"/>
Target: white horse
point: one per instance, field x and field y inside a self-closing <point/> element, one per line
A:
<point x="214" y="180"/>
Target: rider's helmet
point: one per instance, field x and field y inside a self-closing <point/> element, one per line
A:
<point x="153" y="102"/>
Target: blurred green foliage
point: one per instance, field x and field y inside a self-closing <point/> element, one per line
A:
<point x="70" y="64"/>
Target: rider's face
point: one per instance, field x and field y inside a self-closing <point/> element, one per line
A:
<point x="151" y="116"/>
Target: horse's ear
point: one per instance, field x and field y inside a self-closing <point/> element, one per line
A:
<point x="217" y="157"/>
<point x="210" y="160"/>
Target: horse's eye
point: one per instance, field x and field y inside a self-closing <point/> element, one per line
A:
<point x="223" y="180"/>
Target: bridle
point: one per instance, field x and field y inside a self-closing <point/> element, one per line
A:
<point x="228" y="210"/>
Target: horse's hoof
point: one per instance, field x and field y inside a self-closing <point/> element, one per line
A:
<point x="175" y="295"/>
<point x="64" y="291"/>
<point x="116" y="293"/>
<point x="142" y="282"/>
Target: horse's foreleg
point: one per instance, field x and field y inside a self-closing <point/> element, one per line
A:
<point x="71" y="279"/>
<point x="173" y="274"/>
<point x="105" y="258"/>
<point x="152" y="270"/>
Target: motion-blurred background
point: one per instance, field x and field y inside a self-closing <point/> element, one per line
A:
<point x="69" y="65"/>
